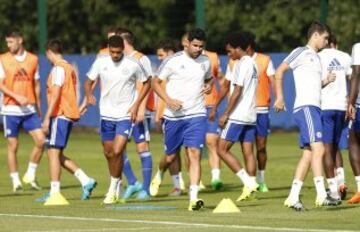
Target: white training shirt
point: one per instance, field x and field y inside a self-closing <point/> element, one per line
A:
<point x="334" y="95"/>
<point x="15" y="109"/>
<point x="355" y="60"/>
<point x="244" y="74"/>
<point x="185" y="78"/>
<point x="117" y="81"/>
<point x="306" y="66"/>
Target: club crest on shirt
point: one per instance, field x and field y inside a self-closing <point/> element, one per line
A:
<point x="318" y="134"/>
<point x="203" y="67"/>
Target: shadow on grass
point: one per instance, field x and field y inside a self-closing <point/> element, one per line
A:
<point x="16" y="194"/>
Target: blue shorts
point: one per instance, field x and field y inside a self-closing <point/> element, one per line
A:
<point x="212" y="127"/>
<point x="59" y="131"/>
<point x="109" y="129"/>
<point x="238" y="132"/>
<point x="344" y="138"/>
<point x="12" y="124"/>
<point x="356" y="123"/>
<point x="308" y="120"/>
<point x="262" y="124"/>
<point x="333" y="122"/>
<point x="140" y="132"/>
<point x="187" y="132"/>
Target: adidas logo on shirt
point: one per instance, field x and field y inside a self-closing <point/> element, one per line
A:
<point x="335" y="65"/>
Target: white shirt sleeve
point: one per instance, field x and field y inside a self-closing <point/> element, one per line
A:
<point x="270" y="71"/>
<point x="2" y="72"/>
<point x="145" y="62"/>
<point x="228" y="73"/>
<point x="293" y="58"/>
<point x="57" y="76"/>
<point x="165" y="69"/>
<point x="208" y="71"/>
<point x="355" y="54"/>
<point x="94" y="71"/>
<point x="239" y="74"/>
<point x="37" y="75"/>
<point x="141" y="74"/>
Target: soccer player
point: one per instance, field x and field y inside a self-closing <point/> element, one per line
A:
<point x="110" y="32"/>
<point x="307" y="70"/>
<point x="20" y="84"/>
<point x="354" y="113"/>
<point x="188" y="77"/>
<point x="239" y="118"/>
<point x="140" y="131"/>
<point x="333" y="105"/>
<point x="266" y="74"/>
<point x="62" y="112"/>
<point x="165" y="49"/>
<point x="119" y="105"/>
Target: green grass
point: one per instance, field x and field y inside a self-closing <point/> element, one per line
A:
<point x="86" y="150"/>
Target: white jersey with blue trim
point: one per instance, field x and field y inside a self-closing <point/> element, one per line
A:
<point x="245" y="74"/>
<point x="185" y="77"/>
<point x="117" y="81"/>
<point x="334" y="95"/>
<point x="355" y="60"/>
<point x="306" y="66"/>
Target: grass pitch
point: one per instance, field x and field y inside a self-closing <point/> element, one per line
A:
<point x="20" y="212"/>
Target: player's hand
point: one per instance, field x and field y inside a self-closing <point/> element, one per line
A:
<point x="45" y="126"/>
<point x="279" y="105"/>
<point x="133" y="112"/>
<point x="223" y="120"/>
<point x="331" y="77"/>
<point x="206" y="88"/>
<point x="90" y="100"/>
<point x="212" y="114"/>
<point x="140" y="117"/>
<point x="351" y="111"/>
<point x="174" y="104"/>
<point x="21" y="100"/>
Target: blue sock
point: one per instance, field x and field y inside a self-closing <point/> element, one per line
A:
<point x="146" y="164"/>
<point x="127" y="170"/>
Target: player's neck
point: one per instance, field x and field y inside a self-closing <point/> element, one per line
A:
<point x="128" y="50"/>
<point x="20" y="52"/>
<point x="313" y="46"/>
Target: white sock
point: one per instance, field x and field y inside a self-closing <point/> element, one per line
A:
<point x="159" y="175"/>
<point x="215" y="174"/>
<point x="118" y="189"/>
<point x="333" y="187"/>
<point x="245" y="178"/>
<point x="82" y="177"/>
<point x="320" y="187"/>
<point x="181" y="177"/>
<point x="295" y="189"/>
<point x="113" y="184"/>
<point x="15" y="178"/>
<point x="54" y="187"/>
<point x="357" y="180"/>
<point x="261" y="176"/>
<point x="31" y="171"/>
<point x="340" y="176"/>
<point x="193" y="192"/>
<point x="176" y="181"/>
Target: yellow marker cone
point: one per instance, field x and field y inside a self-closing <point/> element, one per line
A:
<point x="56" y="199"/>
<point x="226" y="205"/>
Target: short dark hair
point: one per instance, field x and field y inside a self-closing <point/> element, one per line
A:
<point x="116" y="41"/>
<point x="167" y="45"/>
<point x="112" y="29"/>
<point x="239" y="40"/>
<point x="13" y="32"/>
<point x="196" y="33"/>
<point x="319" y="27"/>
<point x="54" y="45"/>
<point x="251" y="38"/>
<point x="126" y="35"/>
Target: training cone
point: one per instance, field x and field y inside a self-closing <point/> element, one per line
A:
<point x="56" y="199"/>
<point x="226" y="205"/>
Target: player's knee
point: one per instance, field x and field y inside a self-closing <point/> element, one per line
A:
<point x="142" y="147"/>
<point x="12" y="145"/>
<point x="261" y="151"/>
<point x="40" y="143"/>
<point x="170" y="158"/>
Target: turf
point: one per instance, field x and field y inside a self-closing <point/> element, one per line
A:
<point x="20" y="212"/>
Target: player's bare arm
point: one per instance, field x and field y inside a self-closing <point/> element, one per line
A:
<point x="279" y="104"/>
<point x="234" y="98"/>
<point x="171" y="103"/>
